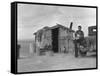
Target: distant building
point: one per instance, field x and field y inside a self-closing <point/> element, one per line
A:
<point x="57" y="39"/>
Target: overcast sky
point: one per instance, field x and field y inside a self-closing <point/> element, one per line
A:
<point x="33" y="17"/>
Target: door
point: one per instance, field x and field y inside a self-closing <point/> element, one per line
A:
<point x="55" y="33"/>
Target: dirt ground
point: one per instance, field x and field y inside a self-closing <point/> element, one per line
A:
<point x="55" y="62"/>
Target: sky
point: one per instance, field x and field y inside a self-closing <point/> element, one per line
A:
<point x="34" y="17"/>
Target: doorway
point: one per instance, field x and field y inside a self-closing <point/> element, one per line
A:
<point x="55" y="33"/>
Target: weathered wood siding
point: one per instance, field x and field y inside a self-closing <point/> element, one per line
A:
<point x="45" y="40"/>
<point x="65" y="40"/>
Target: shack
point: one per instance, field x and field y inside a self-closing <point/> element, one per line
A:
<point x="57" y="39"/>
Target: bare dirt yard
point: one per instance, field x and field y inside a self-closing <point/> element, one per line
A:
<point x="55" y="62"/>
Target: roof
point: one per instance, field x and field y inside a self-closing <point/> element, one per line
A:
<point x="53" y="27"/>
<point x="61" y="26"/>
<point x="43" y="29"/>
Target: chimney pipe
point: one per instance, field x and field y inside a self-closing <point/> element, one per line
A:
<point x="71" y="24"/>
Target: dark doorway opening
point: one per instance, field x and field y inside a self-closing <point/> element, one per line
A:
<point x="55" y="33"/>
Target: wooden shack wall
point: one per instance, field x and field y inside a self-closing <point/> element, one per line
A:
<point x="65" y="40"/>
<point x="46" y="40"/>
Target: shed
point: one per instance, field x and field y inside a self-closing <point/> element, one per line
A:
<point x="57" y="38"/>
